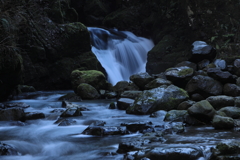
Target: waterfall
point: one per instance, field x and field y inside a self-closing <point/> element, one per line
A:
<point x="121" y="53"/>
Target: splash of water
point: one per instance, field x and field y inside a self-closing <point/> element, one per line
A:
<point x="121" y="53"/>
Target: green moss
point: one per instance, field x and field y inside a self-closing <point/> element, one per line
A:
<point x="185" y="72"/>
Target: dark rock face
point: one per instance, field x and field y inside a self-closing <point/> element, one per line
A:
<point x="34" y="115"/>
<point x="72" y="112"/>
<point x="124" y="103"/>
<point x="204" y="85"/>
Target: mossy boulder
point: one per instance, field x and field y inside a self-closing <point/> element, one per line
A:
<point x="161" y="98"/>
<point x="141" y="79"/>
<point x="175" y="115"/>
<point x="86" y="91"/>
<point x="157" y="83"/>
<point x="220" y="122"/>
<point x="92" y="77"/>
<point x="202" y="111"/>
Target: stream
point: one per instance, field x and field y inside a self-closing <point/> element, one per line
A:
<point x="43" y="140"/>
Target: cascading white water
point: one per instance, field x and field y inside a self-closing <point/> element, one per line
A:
<point x="121" y="53"/>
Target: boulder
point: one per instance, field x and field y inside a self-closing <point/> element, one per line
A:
<point x="6" y="149"/>
<point x="137" y="126"/>
<point x="169" y="153"/>
<point x="197" y="97"/>
<point x="179" y="75"/>
<point x="202" y="111"/>
<point x="159" y="115"/>
<point x="92" y="77"/>
<point x="131" y="94"/>
<point x="141" y="79"/>
<point x="12" y="114"/>
<point x="161" y="98"/>
<point x="220" y="122"/>
<point x="86" y="91"/>
<point x="18" y="105"/>
<point x="34" y="115"/>
<point x="122" y="86"/>
<point x="201" y="50"/>
<point x="231" y="90"/>
<point x="221" y="101"/>
<point x="204" y="85"/>
<point x="71" y="112"/>
<point x="26" y="88"/>
<point x="188" y="64"/>
<point x="133" y="145"/>
<point x="112" y="105"/>
<point x="104" y="130"/>
<point x="67" y="122"/>
<point x="233" y="112"/>
<point x="124" y="103"/>
<point x="175" y="115"/>
<point x="157" y="83"/>
<point x="185" y="105"/>
<point x="221" y="63"/>
<point x="221" y="76"/>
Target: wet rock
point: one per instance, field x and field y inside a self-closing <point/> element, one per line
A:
<point x="132" y="145"/>
<point x="226" y="150"/>
<point x="71" y="112"/>
<point x="185" y="105"/>
<point x="104" y="130"/>
<point x="70" y="97"/>
<point x="202" y="111"/>
<point x="110" y="95"/>
<point x="122" y="86"/>
<point x="233" y="112"/>
<point x="168" y="153"/>
<point x="6" y="149"/>
<point x="188" y="64"/>
<point x="231" y="90"/>
<point x="112" y="106"/>
<point x="175" y="115"/>
<point x="173" y="128"/>
<point x="137" y="126"/>
<point x="67" y="122"/>
<point x="34" y="115"/>
<point x="86" y="91"/>
<point x="131" y="94"/>
<point x="97" y="123"/>
<point x="157" y="83"/>
<point x="66" y="104"/>
<point x="19" y="105"/>
<point x="221" y="76"/>
<point x="221" y="101"/>
<point x="124" y="103"/>
<point x="179" y="75"/>
<point x="204" y="85"/>
<point x="12" y="114"/>
<point x="141" y="79"/>
<point x="237" y="101"/>
<point x="220" y="122"/>
<point x="201" y="50"/>
<point x="161" y="98"/>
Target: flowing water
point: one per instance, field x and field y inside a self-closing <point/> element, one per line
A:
<point x="43" y="140"/>
<point x="121" y="53"/>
